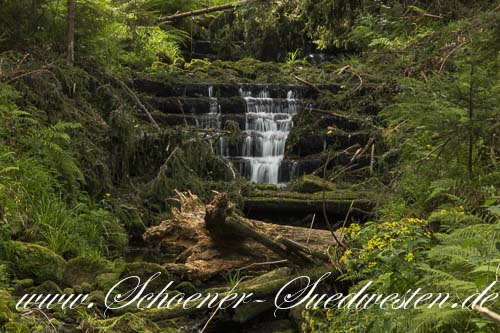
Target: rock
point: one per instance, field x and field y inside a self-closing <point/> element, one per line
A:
<point x="186" y="287"/>
<point x="83" y="269"/>
<point x="48" y="287"/>
<point x="98" y="298"/>
<point x="117" y="238"/>
<point x="144" y="270"/>
<point x="33" y="261"/>
<point x="296" y="314"/>
<point x="311" y="184"/>
<point x="86" y="287"/>
<point x="232" y="105"/>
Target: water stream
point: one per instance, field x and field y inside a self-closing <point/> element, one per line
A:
<point x="259" y="153"/>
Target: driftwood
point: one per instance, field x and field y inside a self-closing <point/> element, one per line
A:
<point x="174" y="17"/>
<point x="215" y="240"/>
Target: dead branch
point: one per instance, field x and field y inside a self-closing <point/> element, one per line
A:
<point x="488" y="313"/>
<point x="445" y="60"/>
<point x="200" y="11"/>
<point x="308" y="83"/>
<point x="134" y="97"/>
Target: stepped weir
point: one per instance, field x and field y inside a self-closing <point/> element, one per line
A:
<point x="259" y="152"/>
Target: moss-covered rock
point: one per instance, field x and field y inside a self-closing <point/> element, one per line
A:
<point x="97" y="297"/>
<point x="48" y="287"/>
<point x="186" y="287"/>
<point x="33" y="261"/>
<point x="144" y="270"/>
<point x="86" y="287"/>
<point x="83" y="269"/>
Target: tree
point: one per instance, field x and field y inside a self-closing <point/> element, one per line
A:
<point x="70" y="32"/>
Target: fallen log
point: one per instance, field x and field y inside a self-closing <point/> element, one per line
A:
<point x="215" y="240"/>
<point x="221" y="220"/>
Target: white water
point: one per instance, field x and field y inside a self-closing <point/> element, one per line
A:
<point x="261" y="148"/>
<point x="267" y="124"/>
<point x="213" y="118"/>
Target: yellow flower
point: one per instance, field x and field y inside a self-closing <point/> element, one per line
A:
<point x="108" y="195"/>
<point x="409" y="257"/>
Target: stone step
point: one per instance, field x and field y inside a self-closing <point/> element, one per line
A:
<point x="166" y="89"/>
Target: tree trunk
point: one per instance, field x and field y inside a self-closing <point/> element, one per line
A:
<point x="70" y="33"/>
<point x="471" y="126"/>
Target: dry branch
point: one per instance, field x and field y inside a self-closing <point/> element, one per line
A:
<point x="488" y="313"/>
<point x="200" y="11"/>
<point x="134" y="97"/>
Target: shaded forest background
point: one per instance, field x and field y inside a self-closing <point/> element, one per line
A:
<point x="84" y="170"/>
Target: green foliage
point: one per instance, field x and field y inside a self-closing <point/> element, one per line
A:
<point x="116" y="33"/>
<point x="32" y="202"/>
<point x="389" y="250"/>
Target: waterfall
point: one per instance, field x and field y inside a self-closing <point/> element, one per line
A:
<point x="267" y="124"/>
<point x="213" y="118"/>
<point x="259" y="152"/>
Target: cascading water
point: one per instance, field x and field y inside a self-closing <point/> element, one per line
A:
<point x="267" y="124"/>
<point x="213" y="118"/>
<point x="260" y="150"/>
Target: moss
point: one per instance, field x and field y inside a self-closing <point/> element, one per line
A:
<point x="130" y="323"/>
<point x="86" y="287"/>
<point x="48" y="287"/>
<point x="337" y="194"/>
<point x="97" y="297"/>
<point x="186" y="287"/>
<point x="131" y="220"/>
<point x="24" y="283"/>
<point x="144" y="270"/>
<point x="33" y="261"/>
<point x="83" y="269"/>
<point x="117" y="238"/>
<point x="310" y="184"/>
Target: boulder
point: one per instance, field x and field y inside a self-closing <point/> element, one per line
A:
<point x="48" y="287"/>
<point x="32" y="261"/>
<point x="83" y="269"/>
<point x="144" y="270"/>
